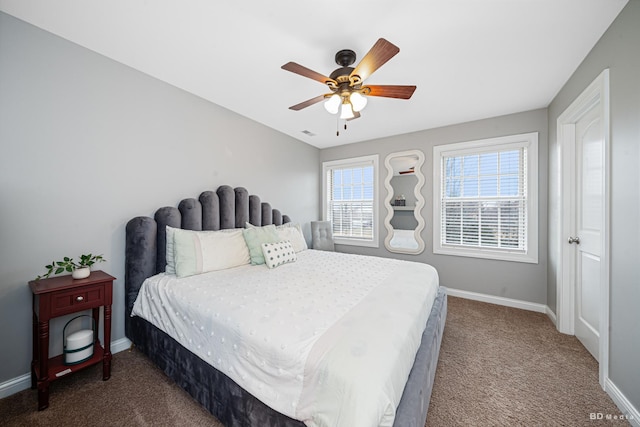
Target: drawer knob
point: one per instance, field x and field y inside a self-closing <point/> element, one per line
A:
<point x="79" y="298"/>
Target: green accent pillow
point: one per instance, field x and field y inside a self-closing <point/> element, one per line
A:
<point x="255" y="237"/>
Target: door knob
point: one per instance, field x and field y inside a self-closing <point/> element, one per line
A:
<point x="575" y="240"/>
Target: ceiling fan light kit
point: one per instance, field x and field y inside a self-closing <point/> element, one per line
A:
<point x="346" y="112"/>
<point x="332" y="104"/>
<point x="358" y="101"/>
<point x="348" y="95"/>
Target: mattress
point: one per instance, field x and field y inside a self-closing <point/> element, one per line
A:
<point x="317" y="340"/>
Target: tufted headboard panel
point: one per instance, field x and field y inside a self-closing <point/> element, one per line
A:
<point x="146" y="238"/>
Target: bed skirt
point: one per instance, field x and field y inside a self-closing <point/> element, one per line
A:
<point x="235" y="407"/>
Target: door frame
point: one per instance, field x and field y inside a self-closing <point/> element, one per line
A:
<point x="596" y="94"/>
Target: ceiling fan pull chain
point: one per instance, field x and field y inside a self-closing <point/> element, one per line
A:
<point x="337" y="125"/>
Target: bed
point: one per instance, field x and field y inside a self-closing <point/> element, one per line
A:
<point x="233" y="392"/>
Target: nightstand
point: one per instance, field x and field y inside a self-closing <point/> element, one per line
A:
<point x="58" y="296"/>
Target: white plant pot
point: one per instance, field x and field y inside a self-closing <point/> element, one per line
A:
<point x="81" y="273"/>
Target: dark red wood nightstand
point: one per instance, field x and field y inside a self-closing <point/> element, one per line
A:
<point x="62" y="295"/>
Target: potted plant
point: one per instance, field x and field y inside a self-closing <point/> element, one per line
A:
<point x="79" y="270"/>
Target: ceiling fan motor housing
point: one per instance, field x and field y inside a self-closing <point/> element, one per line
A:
<point x="341" y="75"/>
<point x="345" y="57"/>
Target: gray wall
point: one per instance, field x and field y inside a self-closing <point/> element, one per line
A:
<point x="520" y="281"/>
<point x="88" y="143"/>
<point x="618" y="50"/>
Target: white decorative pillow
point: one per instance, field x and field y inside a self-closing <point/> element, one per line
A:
<point x="293" y="233"/>
<point x="276" y="254"/>
<point x="170" y="268"/>
<point x="198" y="252"/>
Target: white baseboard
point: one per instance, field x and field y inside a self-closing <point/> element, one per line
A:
<point x="551" y="315"/>
<point x="120" y="345"/>
<point x="508" y="302"/>
<point x="23" y="382"/>
<point x="15" y="385"/>
<point x="627" y="409"/>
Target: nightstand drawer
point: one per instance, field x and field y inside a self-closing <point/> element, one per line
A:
<point x="70" y="301"/>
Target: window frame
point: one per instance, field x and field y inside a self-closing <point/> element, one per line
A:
<point x="328" y="167"/>
<point x="527" y="140"/>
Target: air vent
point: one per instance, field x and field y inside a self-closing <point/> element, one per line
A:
<point x="308" y="133"/>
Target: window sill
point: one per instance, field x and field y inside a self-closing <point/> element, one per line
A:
<point x="356" y="242"/>
<point x="488" y="254"/>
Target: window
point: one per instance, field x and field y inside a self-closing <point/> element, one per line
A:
<point x="486" y="198"/>
<point x="350" y="189"/>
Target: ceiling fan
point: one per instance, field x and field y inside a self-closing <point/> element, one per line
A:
<point x="348" y="91"/>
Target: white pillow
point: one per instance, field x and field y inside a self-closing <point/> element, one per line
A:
<point x="293" y="233"/>
<point x="198" y="252"/>
<point x="170" y="268"/>
<point x="276" y="254"/>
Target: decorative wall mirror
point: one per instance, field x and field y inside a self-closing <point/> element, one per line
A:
<point x="404" y="202"/>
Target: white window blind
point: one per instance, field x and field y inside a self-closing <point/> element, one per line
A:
<point x="484" y="200"/>
<point x="350" y="204"/>
<point x="487" y="203"/>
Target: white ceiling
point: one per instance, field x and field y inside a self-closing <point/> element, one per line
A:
<point x="470" y="59"/>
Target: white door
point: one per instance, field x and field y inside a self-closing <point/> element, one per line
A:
<point x="583" y="213"/>
<point x="589" y="137"/>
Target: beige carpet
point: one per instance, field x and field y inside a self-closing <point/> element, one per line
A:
<point x="501" y="366"/>
<point x="498" y="367"/>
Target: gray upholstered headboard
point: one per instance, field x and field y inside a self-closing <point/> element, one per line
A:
<point x="214" y="210"/>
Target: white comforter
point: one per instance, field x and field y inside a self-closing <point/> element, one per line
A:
<point x="328" y="340"/>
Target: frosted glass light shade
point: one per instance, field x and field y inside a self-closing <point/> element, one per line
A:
<point x="332" y="104"/>
<point x="346" y="112"/>
<point x="358" y="101"/>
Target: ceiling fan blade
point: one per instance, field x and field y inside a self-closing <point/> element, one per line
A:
<point x="305" y="72"/>
<point x="381" y="52"/>
<point x="389" y="91"/>
<point x="356" y="114"/>
<point x="307" y="103"/>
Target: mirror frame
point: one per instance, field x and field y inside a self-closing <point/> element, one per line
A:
<point x="420" y="202"/>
